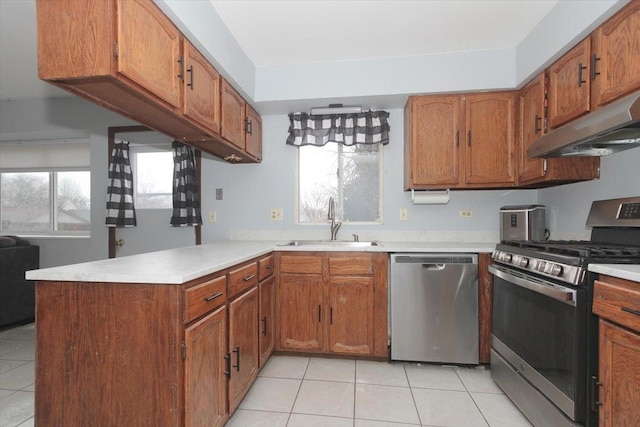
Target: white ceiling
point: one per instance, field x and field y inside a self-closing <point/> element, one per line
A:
<point x="309" y="31"/>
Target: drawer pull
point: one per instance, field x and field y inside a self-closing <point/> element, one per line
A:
<point x="264" y="322"/>
<point x="214" y="296"/>
<point x="631" y="311"/>
<point x="246" y="279"/>
<point x="270" y="267"/>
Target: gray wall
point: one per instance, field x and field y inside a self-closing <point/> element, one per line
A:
<point x="250" y="191"/>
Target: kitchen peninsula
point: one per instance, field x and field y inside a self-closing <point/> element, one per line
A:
<point x="174" y="337"/>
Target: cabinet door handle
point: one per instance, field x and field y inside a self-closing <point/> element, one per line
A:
<point x="331" y="315"/>
<point x="251" y="276"/>
<point x="581" y="68"/>
<point x="227" y="359"/>
<point x="264" y="325"/>
<point x="319" y="313"/>
<point x="469" y="138"/>
<point x="536" y="126"/>
<point x="248" y="128"/>
<point x="237" y="365"/>
<point x="214" y="296"/>
<point x="190" y="71"/>
<point x="457" y="138"/>
<point x="594" y="62"/>
<point x="181" y="74"/>
<point x="631" y="311"/>
<point x="595" y="393"/>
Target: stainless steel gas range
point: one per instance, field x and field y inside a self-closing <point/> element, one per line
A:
<point x="544" y="342"/>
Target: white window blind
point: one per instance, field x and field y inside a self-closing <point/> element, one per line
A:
<point x="49" y="154"/>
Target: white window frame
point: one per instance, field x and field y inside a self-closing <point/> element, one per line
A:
<point x="339" y="206"/>
<point x="53" y="202"/>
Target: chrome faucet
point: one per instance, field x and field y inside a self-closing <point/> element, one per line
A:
<point x="335" y="226"/>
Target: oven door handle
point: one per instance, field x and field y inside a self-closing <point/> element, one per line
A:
<point x="564" y="295"/>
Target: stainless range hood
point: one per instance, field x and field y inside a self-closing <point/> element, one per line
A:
<point x="609" y="129"/>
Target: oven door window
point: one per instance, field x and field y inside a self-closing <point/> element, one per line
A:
<point x="539" y="329"/>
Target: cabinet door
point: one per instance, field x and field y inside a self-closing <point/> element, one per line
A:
<point x="619" y="375"/>
<point x="202" y="90"/>
<point x="490" y="138"/>
<point x="254" y="133"/>
<point x="205" y="390"/>
<point x="233" y="115"/>
<point x="300" y="311"/>
<point x="243" y="345"/>
<point x="569" y="85"/>
<point x="267" y="318"/>
<point x="616" y="53"/>
<point x="351" y="315"/>
<point x="531" y="109"/>
<point x="149" y="49"/>
<point x="432" y="140"/>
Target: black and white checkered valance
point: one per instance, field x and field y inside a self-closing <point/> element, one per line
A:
<point x="120" y="209"/>
<point x="186" y="200"/>
<point x="371" y="127"/>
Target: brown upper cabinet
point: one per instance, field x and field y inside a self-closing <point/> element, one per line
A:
<point x="460" y="141"/>
<point x="569" y="85"/>
<point x="127" y="56"/>
<point x="616" y="56"/>
<point x="241" y="124"/>
<point x="531" y="119"/>
<point x="603" y="67"/>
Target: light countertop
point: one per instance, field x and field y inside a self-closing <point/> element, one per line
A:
<point x="176" y="266"/>
<point x="622" y="271"/>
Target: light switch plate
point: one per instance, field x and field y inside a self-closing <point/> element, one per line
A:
<point x="218" y="193"/>
<point x="404" y="215"/>
<point x="212" y="216"/>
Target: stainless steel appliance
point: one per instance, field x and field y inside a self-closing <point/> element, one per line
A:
<point x="434" y="308"/>
<point x="606" y="130"/>
<point x="544" y="342"/>
<point x="522" y="222"/>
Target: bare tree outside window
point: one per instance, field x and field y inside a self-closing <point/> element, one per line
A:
<point x="27" y="199"/>
<point x="153" y="179"/>
<point x="349" y="174"/>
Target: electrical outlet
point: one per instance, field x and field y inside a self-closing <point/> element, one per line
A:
<point x="466" y="214"/>
<point x="212" y="216"/>
<point x="218" y="193"/>
<point x="404" y="215"/>
<point x="276" y="214"/>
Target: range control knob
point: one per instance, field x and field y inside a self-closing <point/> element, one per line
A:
<point x="506" y="257"/>
<point x="553" y="269"/>
<point x="540" y="266"/>
<point x="523" y="262"/>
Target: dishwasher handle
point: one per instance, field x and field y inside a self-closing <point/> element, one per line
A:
<point x="433" y="267"/>
<point x="434" y="259"/>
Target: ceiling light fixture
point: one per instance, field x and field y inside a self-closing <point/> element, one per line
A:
<point x="336" y="109"/>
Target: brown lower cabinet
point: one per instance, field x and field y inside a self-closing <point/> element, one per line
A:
<point x="333" y="302"/>
<point x="617" y="303"/>
<point x="243" y="345"/>
<point x="150" y="354"/>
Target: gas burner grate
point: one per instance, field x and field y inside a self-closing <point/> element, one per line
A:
<point x="580" y="248"/>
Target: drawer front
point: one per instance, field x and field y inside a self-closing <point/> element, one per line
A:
<point x="202" y="298"/>
<point x="302" y="264"/>
<point x="266" y="267"/>
<point x="618" y="300"/>
<point x="242" y="278"/>
<point x="351" y="264"/>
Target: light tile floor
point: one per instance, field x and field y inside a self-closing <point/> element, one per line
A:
<point x="312" y="392"/>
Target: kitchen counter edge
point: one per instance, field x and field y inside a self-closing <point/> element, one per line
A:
<point x="621" y="271"/>
<point x="180" y="265"/>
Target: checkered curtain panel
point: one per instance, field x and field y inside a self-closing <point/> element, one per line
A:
<point x="371" y="127"/>
<point x="120" y="209"/>
<point x="186" y="200"/>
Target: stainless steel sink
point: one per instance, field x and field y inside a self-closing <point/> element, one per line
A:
<point x="332" y="243"/>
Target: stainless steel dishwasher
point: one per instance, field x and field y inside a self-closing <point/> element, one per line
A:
<point x="434" y="308"/>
